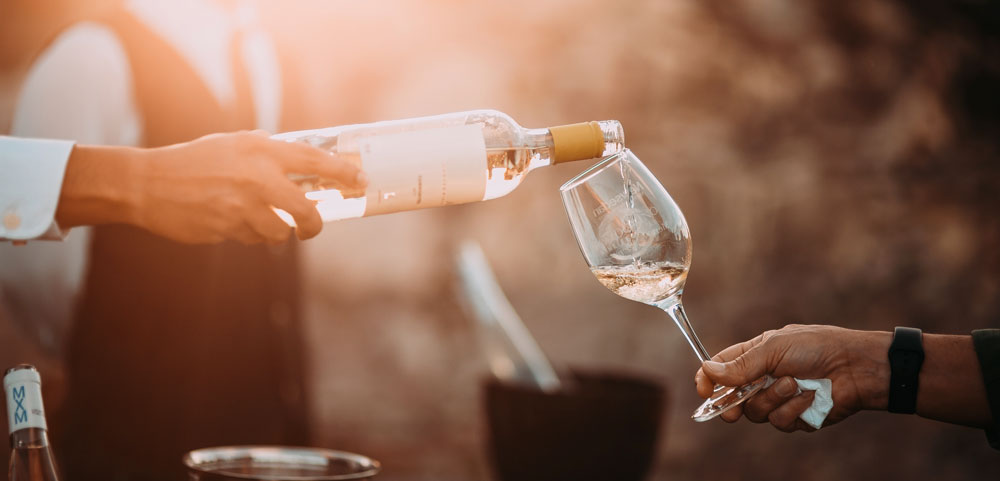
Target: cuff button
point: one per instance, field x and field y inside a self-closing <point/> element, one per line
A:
<point x="11" y="220"/>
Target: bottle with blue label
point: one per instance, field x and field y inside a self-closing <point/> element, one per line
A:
<point x="31" y="455"/>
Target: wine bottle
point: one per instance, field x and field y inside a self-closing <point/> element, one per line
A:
<point x="31" y="456"/>
<point x="444" y="159"/>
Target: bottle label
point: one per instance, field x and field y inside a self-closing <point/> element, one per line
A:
<point x="424" y="168"/>
<point x="24" y="405"/>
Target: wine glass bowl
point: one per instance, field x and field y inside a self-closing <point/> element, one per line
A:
<point x="618" y="221"/>
<point x="637" y="243"/>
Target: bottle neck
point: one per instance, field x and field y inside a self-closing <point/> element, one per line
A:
<point x="28" y="438"/>
<point x="537" y="138"/>
<point x="568" y="143"/>
<point x="23" y="389"/>
<point x="538" y="145"/>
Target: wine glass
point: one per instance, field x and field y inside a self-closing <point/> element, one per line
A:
<point x="638" y="245"/>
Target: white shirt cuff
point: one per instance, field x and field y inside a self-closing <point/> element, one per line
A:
<point x="30" y="184"/>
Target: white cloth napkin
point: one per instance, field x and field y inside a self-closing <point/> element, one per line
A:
<point x="822" y="402"/>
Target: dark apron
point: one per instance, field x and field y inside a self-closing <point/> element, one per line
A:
<point x="177" y="347"/>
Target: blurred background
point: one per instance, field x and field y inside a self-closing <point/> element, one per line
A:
<point x="836" y="161"/>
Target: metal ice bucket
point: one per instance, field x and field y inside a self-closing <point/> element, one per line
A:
<point x="277" y="463"/>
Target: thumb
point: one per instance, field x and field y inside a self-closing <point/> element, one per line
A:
<point x="749" y="366"/>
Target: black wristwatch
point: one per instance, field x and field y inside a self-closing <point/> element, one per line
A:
<point x="906" y="355"/>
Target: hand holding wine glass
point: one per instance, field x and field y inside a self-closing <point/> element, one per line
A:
<point x="854" y="361"/>
<point x="637" y="243"/>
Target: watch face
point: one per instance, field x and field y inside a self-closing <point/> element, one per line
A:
<point x="907" y="339"/>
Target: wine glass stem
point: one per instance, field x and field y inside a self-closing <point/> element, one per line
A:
<point x="675" y="310"/>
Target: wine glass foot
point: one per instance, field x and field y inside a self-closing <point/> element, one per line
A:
<point x="725" y="398"/>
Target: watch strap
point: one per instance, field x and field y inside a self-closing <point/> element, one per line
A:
<point x="906" y="356"/>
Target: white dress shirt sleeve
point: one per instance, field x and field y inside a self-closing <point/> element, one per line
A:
<point x="79" y="89"/>
<point x="32" y="175"/>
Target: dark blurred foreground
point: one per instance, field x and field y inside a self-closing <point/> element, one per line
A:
<point x="837" y="163"/>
